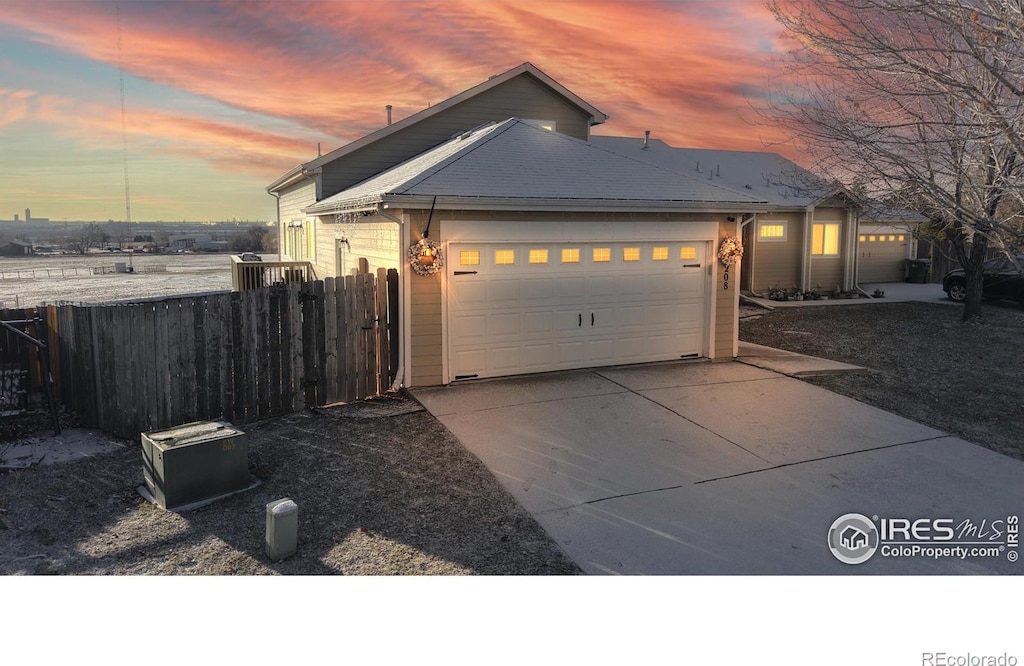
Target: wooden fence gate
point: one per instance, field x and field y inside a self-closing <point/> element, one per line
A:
<point x="241" y="356"/>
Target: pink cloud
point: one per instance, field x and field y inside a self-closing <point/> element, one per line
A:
<point x="683" y="69"/>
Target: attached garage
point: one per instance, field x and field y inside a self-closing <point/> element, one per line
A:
<point x="551" y="254"/>
<point x="882" y="254"/>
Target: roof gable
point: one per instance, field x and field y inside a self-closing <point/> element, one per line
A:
<point x="526" y="69"/>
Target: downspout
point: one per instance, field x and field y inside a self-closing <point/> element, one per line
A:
<point x="402" y="348"/>
<point x="280" y="232"/>
<point x="746" y="219"/>
<point x="805" y="259"/>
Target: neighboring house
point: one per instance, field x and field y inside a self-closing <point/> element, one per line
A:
<point x="557" y="255"/>
<point x="808" y="237"/>
<point x="15" y="249"/>
<point x="815" y="236"/>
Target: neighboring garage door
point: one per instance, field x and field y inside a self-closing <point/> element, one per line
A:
<point x="882" y="257"/>
<point x="517" y="308"/>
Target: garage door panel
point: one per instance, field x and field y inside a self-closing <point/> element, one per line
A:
<point x="539" y="323"/>
<point x="503" y="292"/>
<point x="505" y="325"/>
<point x="530" y="317"/>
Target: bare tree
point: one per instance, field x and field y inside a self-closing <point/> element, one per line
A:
<point x="921" y="102"/>
<point x="88" y="236"/>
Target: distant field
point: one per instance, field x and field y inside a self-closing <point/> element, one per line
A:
<point x="186" y="274"/>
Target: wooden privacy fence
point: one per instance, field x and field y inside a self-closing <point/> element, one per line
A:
<point x="242" y="356"/>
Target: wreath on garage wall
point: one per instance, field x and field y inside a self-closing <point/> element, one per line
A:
<point x="426" y="257"/>
<point x="730" y="251"/>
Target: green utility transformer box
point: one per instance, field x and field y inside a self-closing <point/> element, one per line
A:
<point x="194" y="462"/>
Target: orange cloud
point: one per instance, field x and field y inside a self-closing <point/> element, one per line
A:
<point x="684" y="70"/>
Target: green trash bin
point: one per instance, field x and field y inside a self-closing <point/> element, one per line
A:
<point x="917" y="270"/>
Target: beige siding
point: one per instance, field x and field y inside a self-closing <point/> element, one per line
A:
<point x="425" y="317"/>
<point x="521" y="97"/>
<point x="827" y="272"/>
<point x="726" y="310"/>
<point x="375" y="240"/>
<point x="777" y="263"/>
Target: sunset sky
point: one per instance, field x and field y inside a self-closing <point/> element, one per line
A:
<point x="223" y="97"/>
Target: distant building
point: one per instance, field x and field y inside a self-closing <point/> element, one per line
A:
<point x="28" y="215"/>
<point x="15" y="217"/>
<point x="16" y="249"/>
<point x="196" y="242"/>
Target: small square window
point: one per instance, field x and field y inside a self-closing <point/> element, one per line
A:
<point x="659" y="254"/>
<point x="469" y="257"/>
<point x="687" y="252"/>
<point x="862" y="238"/>
<point x="872" y="239"/>
<point x="602" y="254"/>
<point x="771" y="231"/>
<point x="892" y="239"/>
<point x="631" y="254"/>
<point x="504" y="257"/>
<point x="570" y="255"/>
<point x="902" y="238"/>
<point x="538" y="256"/>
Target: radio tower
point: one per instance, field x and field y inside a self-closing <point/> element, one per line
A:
<point x="124" y="132"/>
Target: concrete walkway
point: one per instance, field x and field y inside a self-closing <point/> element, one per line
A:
<point x="790" y="363"/>
<point x="720" y="468"/>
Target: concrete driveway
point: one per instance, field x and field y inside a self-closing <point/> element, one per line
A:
<point x="725" y="468"/>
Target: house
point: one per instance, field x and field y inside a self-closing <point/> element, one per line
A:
<point x="525" y="245"/>
<point x="815" y="235"/>
<point x="16" y="249"/>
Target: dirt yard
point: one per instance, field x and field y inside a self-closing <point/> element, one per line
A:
<point x="965" y="379"/>
<point x="382" y="488"/>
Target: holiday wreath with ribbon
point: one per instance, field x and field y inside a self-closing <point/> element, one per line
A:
<point x="426" y="257"/>
<point x="730" y="251"/>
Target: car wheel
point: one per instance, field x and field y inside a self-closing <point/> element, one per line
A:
<point x="957" y="292"/>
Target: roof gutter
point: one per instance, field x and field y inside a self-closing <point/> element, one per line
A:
<point x="403" y="320"/>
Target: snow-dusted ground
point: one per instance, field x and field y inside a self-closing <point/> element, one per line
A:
<point x="186" y="274"/>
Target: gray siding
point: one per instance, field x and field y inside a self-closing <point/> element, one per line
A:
<point x="521" y="97"/>
<point x="777" y="263"/>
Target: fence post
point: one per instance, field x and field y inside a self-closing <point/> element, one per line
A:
<point x="393" y="316"/>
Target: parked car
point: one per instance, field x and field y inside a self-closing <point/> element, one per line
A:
<point x="1003" y="280"/>
<point x="251" y="256"/>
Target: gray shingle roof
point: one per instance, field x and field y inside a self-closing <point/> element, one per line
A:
<point x="516" y="160"/>
<point x="768" y="176"/>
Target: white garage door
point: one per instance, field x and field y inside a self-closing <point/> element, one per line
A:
<point x="518" y="308"/>
<point x="882" y="257"/>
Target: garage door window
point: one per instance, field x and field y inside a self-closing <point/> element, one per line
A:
<point x="469" y="257"/>
<point x="504" y="257"/>
<point x="631" y="254"/>
<point x="571" y="255"/>
<point x="825" y="239"/>
<point x="538" y="256"/>
<point x="659" y="254"/>
<point x="687" y="253"/>
<point x="602" y="254"/>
